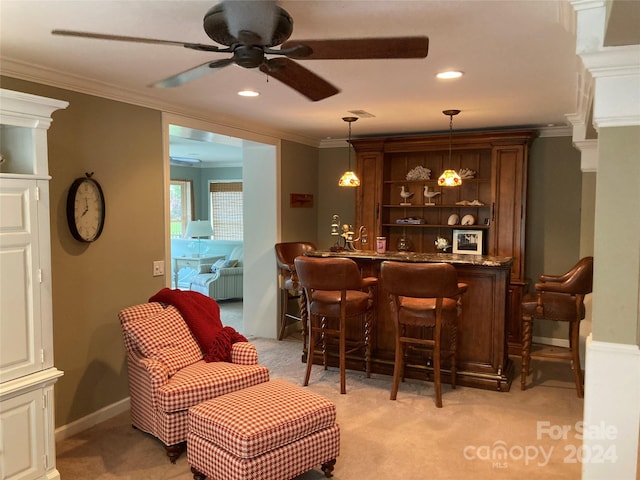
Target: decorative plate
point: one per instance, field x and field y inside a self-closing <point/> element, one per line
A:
<point x="468" y="220"/>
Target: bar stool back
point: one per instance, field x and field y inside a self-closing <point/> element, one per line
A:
<point x="286" y="252"/>
<point x="334" y="289"/>
<point x="424" y="295"/>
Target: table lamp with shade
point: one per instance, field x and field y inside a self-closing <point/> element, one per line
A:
<point x="198" y="229"/>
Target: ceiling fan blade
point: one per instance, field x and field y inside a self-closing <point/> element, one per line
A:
<point x="363" y="48"/>
<point x="124" y="38"/>
<point x="299" y="78"/>
<point x="192" y="74"/>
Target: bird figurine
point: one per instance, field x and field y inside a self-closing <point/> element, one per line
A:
<point x="429" y="195"/>
<point x="406" y="195"/>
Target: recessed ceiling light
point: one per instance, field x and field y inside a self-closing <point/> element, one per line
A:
<point x="248" y="93"/>
<point x="449" y="74"/>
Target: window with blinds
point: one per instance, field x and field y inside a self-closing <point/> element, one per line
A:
<point x="226" y="210"/>
<point x="180" y="206"/>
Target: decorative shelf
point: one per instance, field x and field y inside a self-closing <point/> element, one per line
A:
<point x="435" y="181"/>
<point x="431" y="225"/>
<point x="438" y="205"/>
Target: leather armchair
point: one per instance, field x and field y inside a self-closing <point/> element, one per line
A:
<point x="558" y="298"/>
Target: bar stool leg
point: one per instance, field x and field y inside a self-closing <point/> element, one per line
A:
<point x="527" y="326"/>
<point x="284" y="305"/>
<point x="367" y="342"/>
<point x="343" y="355"/>
<point x="310" y="350"/>
<point x="574" y="332"/>
<point x="453" y="347"/>
<point x="398" y="367"/>
<point x="304" y="317"/>
<point x="436" y="362"/>
<point x="323" y="326"/>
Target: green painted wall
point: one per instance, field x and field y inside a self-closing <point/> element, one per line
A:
<point x="617" y="253"/>
<point x="298" y="174"/>
<point x="333" y="163"/>
<point x="587" y="217"/>
<point x="553" y="215"/>
<point x="122" y="144"/>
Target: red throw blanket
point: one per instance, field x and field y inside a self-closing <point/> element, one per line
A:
<point x="202" y="315"/>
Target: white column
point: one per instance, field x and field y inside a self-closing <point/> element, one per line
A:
<point x="612" y="380"/>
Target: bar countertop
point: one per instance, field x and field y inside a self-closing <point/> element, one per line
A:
<point x="452" y="258"/>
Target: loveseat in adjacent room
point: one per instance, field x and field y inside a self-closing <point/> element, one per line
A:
<point x="225" y="279"/>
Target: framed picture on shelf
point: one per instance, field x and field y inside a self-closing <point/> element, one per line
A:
<point x="467" y="242"/>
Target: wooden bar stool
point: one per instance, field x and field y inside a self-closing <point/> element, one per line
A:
<point x="558" y="298"/>
<point x="425" y="295"/>
<point x="334" y="289"/>
<point x="286" y="252"/>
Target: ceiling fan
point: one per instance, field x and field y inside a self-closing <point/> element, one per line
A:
<point x="249" y="28"/>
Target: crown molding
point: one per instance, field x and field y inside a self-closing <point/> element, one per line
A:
<point x="616" y="71"/>
<point x="54" y="78"/>
<point x="588" y="155"/>
<point x="543" y="132"/>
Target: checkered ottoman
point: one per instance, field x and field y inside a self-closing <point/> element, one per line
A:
<point x="271" y="431"/>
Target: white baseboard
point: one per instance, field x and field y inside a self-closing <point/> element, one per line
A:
<point x="53" y="474"/>
<point x="92" y="419"/>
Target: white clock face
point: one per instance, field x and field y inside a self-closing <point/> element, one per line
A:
<point x="86" y="215"/>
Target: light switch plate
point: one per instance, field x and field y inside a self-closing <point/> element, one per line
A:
<point x="158" y="268"/>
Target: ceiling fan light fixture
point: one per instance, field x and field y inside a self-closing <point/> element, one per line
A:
<point x="449" y="74"/>
<point x="248" y="93"/>
<point x="349" y="178"/>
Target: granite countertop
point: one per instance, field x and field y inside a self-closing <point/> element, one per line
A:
<point x="453" y="258"/>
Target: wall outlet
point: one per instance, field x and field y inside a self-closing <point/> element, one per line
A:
<point x="158" y="268"/>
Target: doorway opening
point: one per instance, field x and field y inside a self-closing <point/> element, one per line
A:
<point x="205" y="154"/>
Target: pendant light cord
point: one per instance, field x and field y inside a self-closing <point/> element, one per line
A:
<point x="349" y="120"/>
<point x="350" y="146"/>
<point x="349" y="178"/>
<point x="450" y="136"/>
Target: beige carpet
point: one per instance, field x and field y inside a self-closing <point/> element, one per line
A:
<point x="478" y="434"/>
<point x="231" y="314"/>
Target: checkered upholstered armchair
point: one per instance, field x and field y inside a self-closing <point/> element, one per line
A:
<point x="167" y="373"/>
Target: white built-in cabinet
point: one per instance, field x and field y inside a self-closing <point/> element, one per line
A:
<point x="27" y="372"/>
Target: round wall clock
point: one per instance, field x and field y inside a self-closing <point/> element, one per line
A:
<point x="85" y="209"/>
